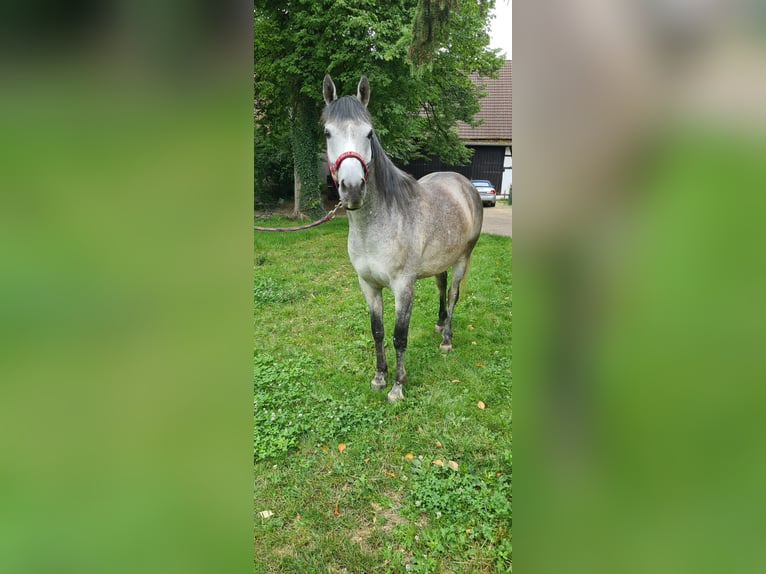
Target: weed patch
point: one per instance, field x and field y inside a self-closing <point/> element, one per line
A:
<point x="268" y="290"/>
<point x="287" y="408"/>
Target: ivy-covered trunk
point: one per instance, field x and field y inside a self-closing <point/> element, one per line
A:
<point x="305" y="120"/>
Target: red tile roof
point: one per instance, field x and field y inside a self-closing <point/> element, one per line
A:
<point x="496" y="111"/>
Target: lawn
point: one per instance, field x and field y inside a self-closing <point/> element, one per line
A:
<point x="345" y="481"/>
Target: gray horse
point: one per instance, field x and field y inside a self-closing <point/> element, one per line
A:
<point x="400" y="229"/>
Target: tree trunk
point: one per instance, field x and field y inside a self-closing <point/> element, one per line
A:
<point x="304" y="123"/>
<point x="296" y="194"/>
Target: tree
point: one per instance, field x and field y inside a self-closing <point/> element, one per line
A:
<point x="430" y="28"/>
<point x="415" y="104"/>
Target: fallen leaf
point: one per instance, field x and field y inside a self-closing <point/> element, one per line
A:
<point x="437" y="462"/>
<point x="474" y="343"/>
<point x="455" y="380"/>
<point x="367" y="459"/>
<point x="391" y="474"/>
<point x="480" y="365"/>
<point x="266" y="514"/>
<point x="481" y="405"/>
<point x="297" y="517"/>
<point x="438" y="444"/>
<point x="325" y="447"/>
<point x="335" y="511"/>
<point x="470" y="327"/>
<point x="409" y="456"/>
<point x="506" y="298"/>
<point x="341" y="447"/>
<point x="452" y="464"/>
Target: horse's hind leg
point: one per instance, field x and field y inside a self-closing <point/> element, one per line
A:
<point x="374" y="298"/>
<point x="458" y="271"/>
<point x="441" y="283"/>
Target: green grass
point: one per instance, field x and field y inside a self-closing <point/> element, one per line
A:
<point x="380" y="504"/>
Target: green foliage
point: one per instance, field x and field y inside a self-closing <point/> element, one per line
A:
<point x="463" y="509"/>
<point x="272" y="166"/>
<point x="286" y="408"/>
<point x="429" y="28"/>
<point x="278" y="394"/>
<point x="415" y="108"/>
<point x="270" y="290"/>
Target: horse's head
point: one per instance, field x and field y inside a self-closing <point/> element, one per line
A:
<point x="348" y="131"/>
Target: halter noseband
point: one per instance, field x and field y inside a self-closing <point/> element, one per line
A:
<point x="345" y="155"/>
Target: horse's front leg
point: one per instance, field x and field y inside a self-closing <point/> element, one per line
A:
<point x="403" y="301"/>
<point x="374" y="298"/>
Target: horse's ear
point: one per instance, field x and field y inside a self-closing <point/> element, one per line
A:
<point x="328" y="90"/>
<point x="363" y="91"/>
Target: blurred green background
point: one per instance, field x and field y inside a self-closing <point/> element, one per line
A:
<point x="125" y="288"/>
<point x="638" y="341"/>
<point x="640" y="161"/>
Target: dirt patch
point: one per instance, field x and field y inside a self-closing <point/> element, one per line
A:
<point x="384" y="519"/>
<point x="389" y="518"/>
<point x="284" y="551"/>
<point x="360" y="536"/>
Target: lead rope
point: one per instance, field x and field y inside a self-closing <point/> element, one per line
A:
<point x="325" y="219"/>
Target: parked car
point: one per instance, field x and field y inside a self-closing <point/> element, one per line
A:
<point x="486" y="191"/>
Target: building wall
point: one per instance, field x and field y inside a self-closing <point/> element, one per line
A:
<point x="488" y="162"/>
<point x="507" y="173"/>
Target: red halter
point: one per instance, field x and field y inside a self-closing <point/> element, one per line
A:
<point x="345" y="155"/>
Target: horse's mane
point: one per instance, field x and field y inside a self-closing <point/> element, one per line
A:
<point x="394" y="186"/>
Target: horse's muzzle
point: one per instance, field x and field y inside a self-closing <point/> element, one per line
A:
<point x="352" y="196"/>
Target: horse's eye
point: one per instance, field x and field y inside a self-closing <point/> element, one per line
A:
<point x="369" y="135"/>
<point x="327" y="134"/>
